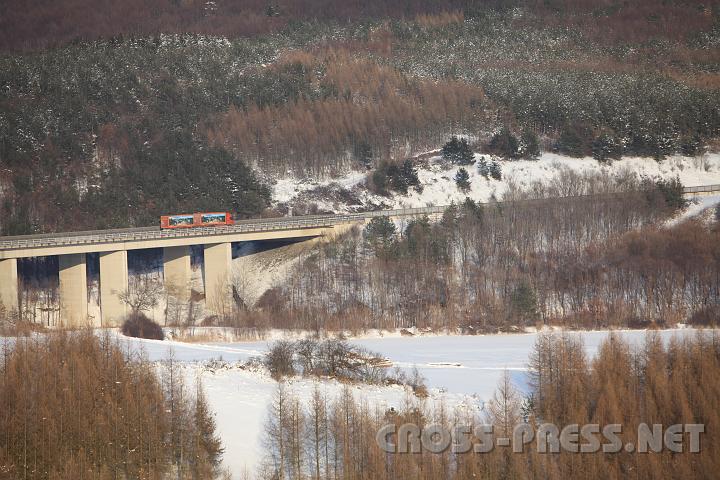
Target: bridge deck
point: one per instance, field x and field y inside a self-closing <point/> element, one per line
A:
<point x="243" y="226"/>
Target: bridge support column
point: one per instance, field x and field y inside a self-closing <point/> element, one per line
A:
<point x="73" y="290"/>
<point x="9" y="284"/>
<point x="177" y="271"/>
<point x="218" y="296"/>
<point x="113" y="281"/>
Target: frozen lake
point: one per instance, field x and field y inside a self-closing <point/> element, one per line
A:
<point x="469" y="365"/>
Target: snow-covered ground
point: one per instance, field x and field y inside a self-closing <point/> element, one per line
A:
<point x="439" y="185"/>
<point x="698" y="206"/>
<point x="460" y="371"/>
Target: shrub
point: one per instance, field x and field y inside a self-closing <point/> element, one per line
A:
<point x="332" y="357"/>
<point x="138" y="325"/>
<point x="280" y="359"/>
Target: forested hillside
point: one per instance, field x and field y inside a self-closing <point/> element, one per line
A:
<point x="602" y="261"/>
<point x="114" y="113"/>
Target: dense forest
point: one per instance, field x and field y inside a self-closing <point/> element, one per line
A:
<point x="113" y="113"/>
<point x="77" y="405"/>
<point x="653" y="383"/>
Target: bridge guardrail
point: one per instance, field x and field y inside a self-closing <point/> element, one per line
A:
<point x="702" y="189"/>
<point x="261" y="225"/>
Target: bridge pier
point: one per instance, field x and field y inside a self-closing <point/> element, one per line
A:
<point x="218" y="257"/>
<point x="113" y="281"/>
<point x="73" y="290"/>
<point x="9" y="284"/>
<point x="177" y="271"/>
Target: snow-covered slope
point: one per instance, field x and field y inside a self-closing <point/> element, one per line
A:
<point x="349" y="193"/>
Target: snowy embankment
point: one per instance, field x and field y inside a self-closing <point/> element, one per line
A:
<point x="438" y="184"/>
<point x="460" y="371"/>
<point x="698" y="206"/>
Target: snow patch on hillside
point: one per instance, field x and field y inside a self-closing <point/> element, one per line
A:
<point x="438" y="184"/>
<point x="698" y="207"/>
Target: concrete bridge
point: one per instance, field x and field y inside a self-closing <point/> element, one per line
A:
<point x="113" y="245"/>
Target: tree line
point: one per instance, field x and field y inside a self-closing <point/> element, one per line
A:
<point x="75" y="405"/>
<point x="656" y="382"/>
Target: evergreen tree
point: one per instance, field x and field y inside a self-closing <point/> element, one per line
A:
<point x="409" y="173"/>
<point x="451" y="148"/>
<point x="462" y="180"/>
<point x="523" y="303"/>
<point x="363" y="154"/>
<point x="529" y="145"/>
<point x="380" y="235"/>
<point x="465" y="154"/>
<point x="495" y="170"/>
<point x="672" y="192"/>
<point x="472" y="209"/>
<point x="458" y="151"/>
<point x="396" y="178"/>
<point x="691" y="145"/>
<point x="483" y="167"/>
<point x="605" y="148"/>
<point x="450" y="216"/>
<point x="570" y="143"/>
<point x="504" y="143"/>
<point x="380" y="180"/>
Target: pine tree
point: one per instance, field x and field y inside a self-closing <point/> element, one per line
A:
<point x="451" y="149"/>
<point x="523" y="302"/>
<point x="496" y="170"/>
<point x="458" y="151"/>
<point x="672" y="192"/>
<point x="364" y="154"/>
<point x="380" y="235"/>
<point x="462" y="180"/>
<point x="529" y="145"/>
<point x="465" y="155"/>
<point x="504" y="143"/>
<point x="483" y="167"/>
<point x="571" y="142"/>
<point x="605" y="148"/>
<point x="472" y="209"/>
